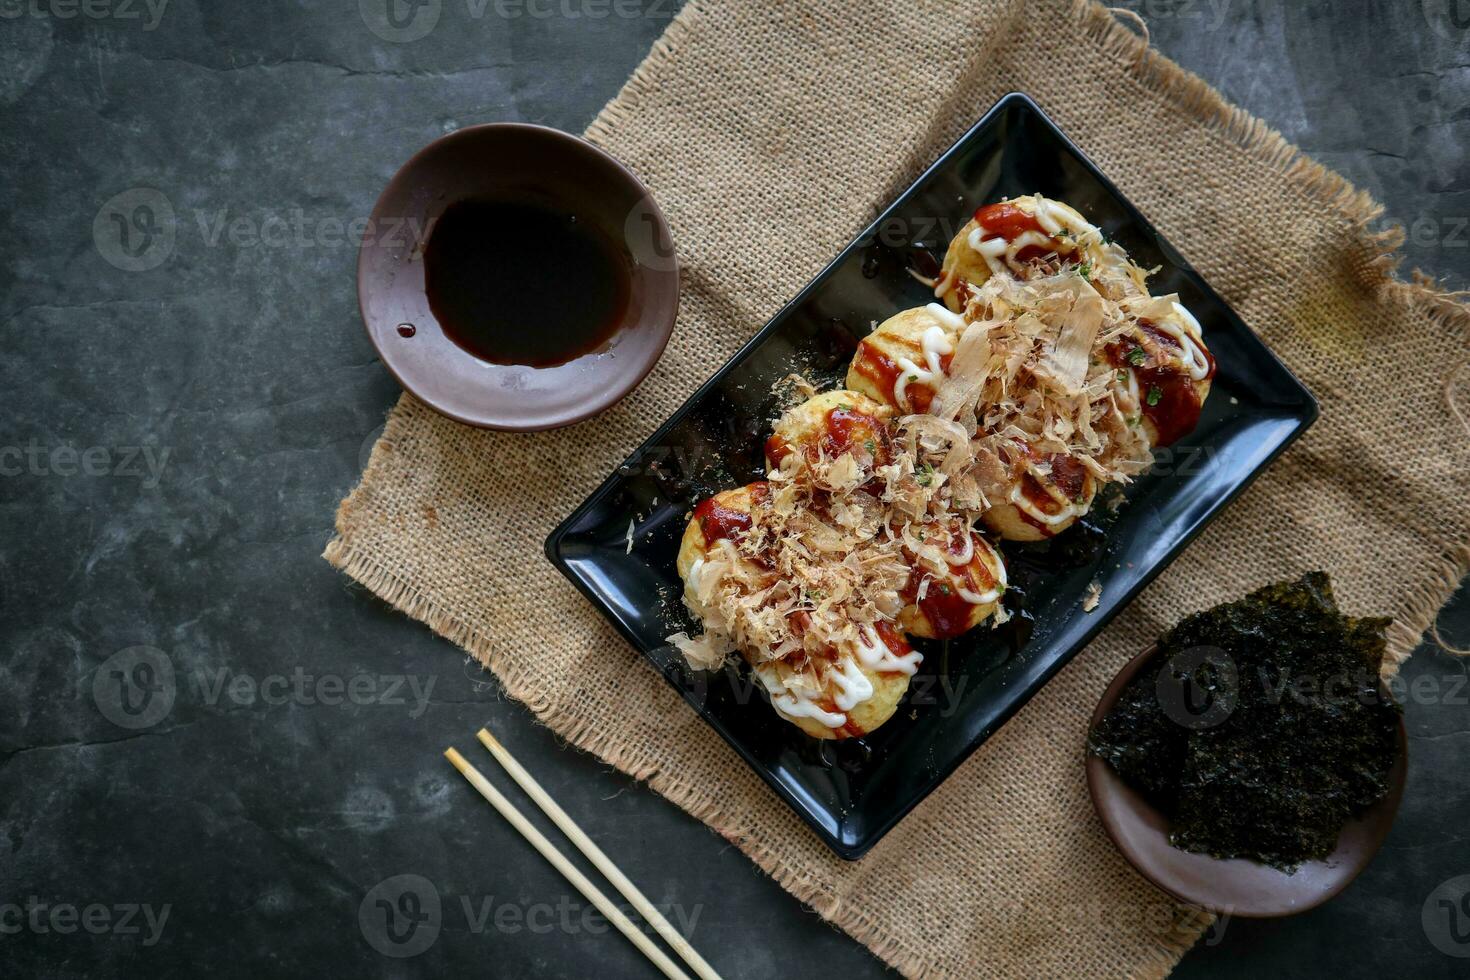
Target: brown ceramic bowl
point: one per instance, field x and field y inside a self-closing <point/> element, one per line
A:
<point x="1236" y="886"/>
<point x="518" y="162"/>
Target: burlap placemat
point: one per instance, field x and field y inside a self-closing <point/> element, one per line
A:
<point x="770" y="137"/>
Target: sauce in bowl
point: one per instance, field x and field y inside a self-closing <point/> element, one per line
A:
<point x="516" y="282"/>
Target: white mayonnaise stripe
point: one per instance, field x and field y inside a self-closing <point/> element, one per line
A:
<point x="853" y="686"/>
<point x="1068" y="511"/>
<point x="935" y="344"/>
<point x="1197" y="363"/>
<point x="946" y="316"/>
<point x="997" y="569"/>
<point x="876" y="656"/>
<point x="797" y="703"/>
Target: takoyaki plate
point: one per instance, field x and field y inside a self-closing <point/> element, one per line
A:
<point x="932" y="478"/>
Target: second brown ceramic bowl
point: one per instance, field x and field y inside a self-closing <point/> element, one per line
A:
<point x="514" y="161"/>
<point x="1236" y="886"/>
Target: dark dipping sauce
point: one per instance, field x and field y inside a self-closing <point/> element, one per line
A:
<point x="520" y="283"/>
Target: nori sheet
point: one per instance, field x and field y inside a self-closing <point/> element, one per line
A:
<point x="1296" y="735"/>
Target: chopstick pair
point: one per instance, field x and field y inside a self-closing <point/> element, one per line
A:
<point x="592" y="852"/>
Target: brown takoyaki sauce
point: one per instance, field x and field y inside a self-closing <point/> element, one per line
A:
<point x="884" y="372"/>
<point x="1068" y="475"/>
<point x="845" y="430"/>
<point x="948" y="611"/>
<point x="1167" y="395"/>
<point x="716" y="521"/>
<point x="1005" y="220"/>
<point x="850" y="431"/>
<point x="777" y="449"/>
<point x="877" y="367"/>
<point x="895" y="641"/>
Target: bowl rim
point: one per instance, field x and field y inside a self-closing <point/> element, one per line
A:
<point x="1102" y="779"/>
<point x="598" y="399"/>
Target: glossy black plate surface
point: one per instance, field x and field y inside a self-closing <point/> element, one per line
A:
<point x="854" y="791"/>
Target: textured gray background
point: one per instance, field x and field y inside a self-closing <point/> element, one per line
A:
<point x="263" y="824"/>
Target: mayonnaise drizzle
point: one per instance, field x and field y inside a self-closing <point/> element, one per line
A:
<point x="797" y="702"/>
<point x="946" y="316"/>
<point x="1195" y="360"/>
<point x="997" y="568"/>
<point x="964" y="557"/>
<point x="1068" y="510"/>
<point x="853" y="686"/>
<point x="877" y="657"/>
<point x="935" y="344"/>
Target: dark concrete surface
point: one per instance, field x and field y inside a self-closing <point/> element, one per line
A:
<point x="186" y="393"/>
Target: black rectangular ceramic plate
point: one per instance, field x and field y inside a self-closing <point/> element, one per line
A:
<point x="852" y="792"/>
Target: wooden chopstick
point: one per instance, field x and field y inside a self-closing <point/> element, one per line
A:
<point x="600" y="860"/>
<point x="558" y="861"/>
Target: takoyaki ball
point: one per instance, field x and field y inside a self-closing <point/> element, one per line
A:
<point x="838" y="697"/>
<point x="904" y="361"/>
<point x="1046" y="495"/>
<point x="1164" y="374"/>
<point x="831" y="425"/>
<point x="846" y="696"/>
<point x="963" y="596"/>
<point x="1009" y="236"/>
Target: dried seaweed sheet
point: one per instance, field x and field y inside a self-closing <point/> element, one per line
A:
<point x="1260" y="727"/>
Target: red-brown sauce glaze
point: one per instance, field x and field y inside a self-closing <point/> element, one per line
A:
<point x="850" y="431"/>
<point x="1006" y="220"/>
<point x="716" y="521"/>
<point x="1168" y="396"/>
<point x="1067" y="475"/>
<point x="883" y="371"/>
<point x="777" y="449"/>
<point x="844" y="430"/>
<point x="948" y="612"/>
<point x="895" y="641"/>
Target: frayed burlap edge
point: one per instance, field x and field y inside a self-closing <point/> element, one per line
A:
<point x="1377" y="272"/>
<point x="1377" y="250"/>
